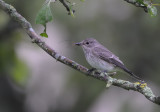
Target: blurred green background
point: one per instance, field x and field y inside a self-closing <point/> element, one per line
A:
<point x="32" y="81"/>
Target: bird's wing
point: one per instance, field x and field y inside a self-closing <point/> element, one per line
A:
<point x="108" y="56"/>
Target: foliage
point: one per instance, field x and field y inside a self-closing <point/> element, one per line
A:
<point x="152" y="10"/>
<point x="44" y="16"/>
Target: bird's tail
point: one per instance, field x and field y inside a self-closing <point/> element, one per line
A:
<point x="133" y="75"/>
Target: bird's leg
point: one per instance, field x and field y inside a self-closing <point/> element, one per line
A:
<point x="112" y="73"/>
<point x="109" y="73"/>
<point x="91" y="70"/>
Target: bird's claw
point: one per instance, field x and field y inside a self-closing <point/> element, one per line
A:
<point x="112" y="73"/>
<point x="91" y="70"/>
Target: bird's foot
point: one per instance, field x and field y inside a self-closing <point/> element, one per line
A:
<point x="112" y="73"/>
<point x="91" y="70"/>
<point x="141" y="85"/>
<point x="109" y="73"/>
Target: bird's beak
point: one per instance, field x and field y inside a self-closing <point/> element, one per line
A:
<point x="78" y="44"/>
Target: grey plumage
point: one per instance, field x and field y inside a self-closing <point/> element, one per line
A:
<point x="101" y="58"/>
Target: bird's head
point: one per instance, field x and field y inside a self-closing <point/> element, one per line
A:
<point x="87" y="43"/>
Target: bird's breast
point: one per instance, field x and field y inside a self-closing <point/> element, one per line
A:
<point x="98" y="63"/>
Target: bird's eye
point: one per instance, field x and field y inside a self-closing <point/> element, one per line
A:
<point x="87" y="43"/>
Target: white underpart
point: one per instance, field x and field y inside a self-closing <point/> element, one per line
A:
<point x="98" y="63"/>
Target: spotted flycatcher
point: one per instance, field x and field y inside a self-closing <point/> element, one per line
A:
<point x="101" y="58"/>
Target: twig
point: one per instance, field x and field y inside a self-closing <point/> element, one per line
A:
<point x="146" y="91"/>
<point x="67" y="7"/>
<point x="137" y="4"/>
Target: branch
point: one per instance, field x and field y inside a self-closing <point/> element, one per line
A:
<point x="137" y="4"/>
<point x="67" y="7"/>
<point x="146" y="91"/>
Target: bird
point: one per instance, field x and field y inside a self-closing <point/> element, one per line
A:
<point x="99" y="57"/>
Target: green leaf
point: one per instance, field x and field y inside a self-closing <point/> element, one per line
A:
<point x="44" y="34"/>
<point x="44" y="15"/>
<point x="152" y="10"/>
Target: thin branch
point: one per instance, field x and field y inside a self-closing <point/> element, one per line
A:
<point x="137" y="4"/>
<point x="146" y="91"/>
<point x="67" y="7"/>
